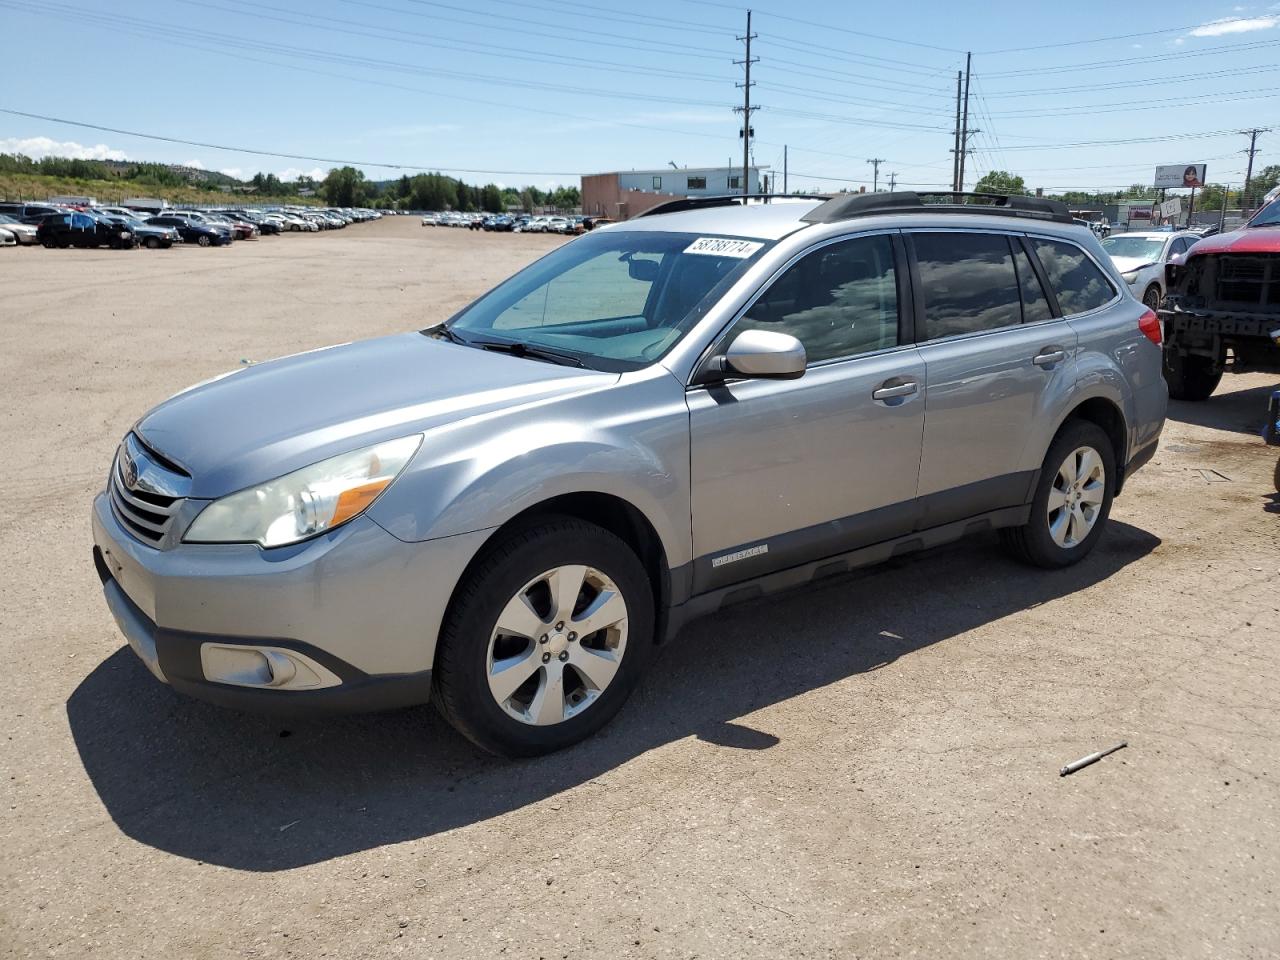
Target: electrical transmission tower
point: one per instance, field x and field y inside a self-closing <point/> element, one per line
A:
<point x="1245" y="198"/>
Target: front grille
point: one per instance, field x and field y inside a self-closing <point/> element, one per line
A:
<point x="1252" y="280"/>
<point x="144" y="513"/>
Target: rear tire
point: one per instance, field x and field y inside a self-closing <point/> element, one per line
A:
<point x="153" y="243"/>
<point x="516" y="581"/>
<point x="203" y="240"/>
<point x="1190" y="377"/>
<point x="1072" y="500"/>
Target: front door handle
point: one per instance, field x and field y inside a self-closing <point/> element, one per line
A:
<point x="1049" y="356"/>
<point x="891" y="389"/>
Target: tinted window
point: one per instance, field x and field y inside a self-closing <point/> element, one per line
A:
<point x="1035" y="305"/>
<point x="968" y="283"/>
<point x="1078" y="282"/>
<point x="1178" y="246"/>
<point x="839" y="301"/>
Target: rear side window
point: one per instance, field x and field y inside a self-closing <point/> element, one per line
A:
<point x="1035" y="305"/>
<point x="1078" y="282"/>
<point x="841" y="300"/>
<point x="967" y="282"/>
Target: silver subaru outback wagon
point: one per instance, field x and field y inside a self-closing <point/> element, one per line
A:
<point x="504" y="513"/>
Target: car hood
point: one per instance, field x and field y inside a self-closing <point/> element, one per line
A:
<point x="1125" y="264"/>
<point x="265" y="420"/>
<point x="1244" y="240"/>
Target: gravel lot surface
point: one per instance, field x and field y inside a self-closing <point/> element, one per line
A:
<point x="865" y="769"/>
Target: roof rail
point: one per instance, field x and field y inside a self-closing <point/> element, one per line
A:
<point x="724" y="200"/>
<point x="847" y="206"/>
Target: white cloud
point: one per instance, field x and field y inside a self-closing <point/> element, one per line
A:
<point x="1179" y="42"/>
<point x="1218" y="28"/>
<point x="1136" y="46"/>
<point x="233" y="172"/>
<point x="37" y="147"/>
<point x="193" y="164"/>
<point x="293" y="173"/>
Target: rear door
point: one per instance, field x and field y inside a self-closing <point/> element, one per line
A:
<point x="997" y="355"/>
<point x="789" y="471"/>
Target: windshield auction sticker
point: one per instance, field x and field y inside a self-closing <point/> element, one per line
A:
<point x="721" y="247"/>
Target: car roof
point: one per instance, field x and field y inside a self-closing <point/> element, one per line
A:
<point x="761" y="221"/>
<point x="1149" y="234"/>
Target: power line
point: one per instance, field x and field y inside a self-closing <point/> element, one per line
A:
<point x="283" y="156"/>
<point x="1078" y="43"/>
<point x="1144" y="82"/>
<point x="175" y="31"/>
<point x="1126" y="62"/>
<point x="403" y="36"/>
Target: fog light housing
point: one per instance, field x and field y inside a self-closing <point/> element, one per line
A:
<point x="265" y="667"/>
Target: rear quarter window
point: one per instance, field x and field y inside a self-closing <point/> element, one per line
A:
<point x="1078" y="282"/>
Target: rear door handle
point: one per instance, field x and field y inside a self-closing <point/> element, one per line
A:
<point x="889" y="389"/>
<point x="1049" y="356"/>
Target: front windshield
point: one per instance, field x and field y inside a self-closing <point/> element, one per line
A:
<point x="1268" y="216"/>
<point x="1140" y="248"/>
<point x="617" y="300"/>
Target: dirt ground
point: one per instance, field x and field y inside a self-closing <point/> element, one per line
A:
<point x="866" y="769"/>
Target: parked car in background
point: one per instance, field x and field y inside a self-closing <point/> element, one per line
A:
<point x="192" y="231"/>
<point x="7" y="239"/>
<point x="507" y="511"/>
<point x="1142" y="257"/>
<point x="1221" y="307"/>
<point x="31" y="213"/>
<point x="149" y="236"/>
<point x="24" y="233"/>
<point x="240" y="230"/>
<point x="80" y="229"/>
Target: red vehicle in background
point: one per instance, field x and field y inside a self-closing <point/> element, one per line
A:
<point x="1222" y="310"/>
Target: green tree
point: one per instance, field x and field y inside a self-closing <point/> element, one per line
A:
<point x="1265" y="180"/>
<point x="345" y="187"/>
<point x="1000" y="181"/>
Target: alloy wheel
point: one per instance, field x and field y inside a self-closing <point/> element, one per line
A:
<point x="1076" y="497"/>
<point x="557" y="645"/>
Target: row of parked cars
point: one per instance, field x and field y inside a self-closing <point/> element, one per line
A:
<point x="507" y="223"/>
<point x="121" y="227"/>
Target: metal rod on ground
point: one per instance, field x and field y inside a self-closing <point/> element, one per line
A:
<point x="1091" y="758"/>
<point x="1191" y="207"/>
<point x="1222" y="219"/>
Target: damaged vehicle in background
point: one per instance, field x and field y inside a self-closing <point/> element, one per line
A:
<point x="1223" y="307"/>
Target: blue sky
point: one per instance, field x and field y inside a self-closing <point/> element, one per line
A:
<point x="540" y="91"/>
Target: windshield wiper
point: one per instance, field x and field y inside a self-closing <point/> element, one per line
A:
<point x="443" y="330"/>
<point x="518" y="349"/>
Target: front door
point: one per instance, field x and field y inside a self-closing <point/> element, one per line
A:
<point x="789" y="471"/>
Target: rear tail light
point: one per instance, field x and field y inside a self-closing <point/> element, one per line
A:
<point x="1149" y="324"/>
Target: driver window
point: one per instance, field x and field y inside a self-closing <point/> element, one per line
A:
<point x="841" y="300"/>
<point x="603" y="288"/>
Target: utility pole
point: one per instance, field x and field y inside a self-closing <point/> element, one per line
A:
<point x="784" y="168"/>
<point x="964" y="123"/>
<point x="893" y="181"/>
<point x="955" y="149"/>
<point x="746" y="109"/>
<point x="1253" y="149"/>
<point x="875" y="176"/>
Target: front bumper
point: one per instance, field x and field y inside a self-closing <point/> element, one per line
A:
<point x="360" y="606"/>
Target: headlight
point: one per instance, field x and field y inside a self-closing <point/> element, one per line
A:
<point x="124" y="234"/>
<point x="306" y="502"/>
<point x="1130" y="277"/>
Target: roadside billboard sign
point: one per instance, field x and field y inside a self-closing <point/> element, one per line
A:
<point x="1179" y="175"/>
<point x="1171" y="208"/>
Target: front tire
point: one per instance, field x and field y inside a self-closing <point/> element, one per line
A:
<point x="1072" y="500"/>
<point x="545" y="638"/>
<point x="203" y="240"/>
<point x="1151" y="299"/>
<point x="1190" y="376"/>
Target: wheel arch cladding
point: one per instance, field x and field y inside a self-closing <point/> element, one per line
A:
<point x="612" y="513"/>
<point x="1105" y="414"/>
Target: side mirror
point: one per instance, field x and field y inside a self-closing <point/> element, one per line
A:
<point x="765" y="355"/>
